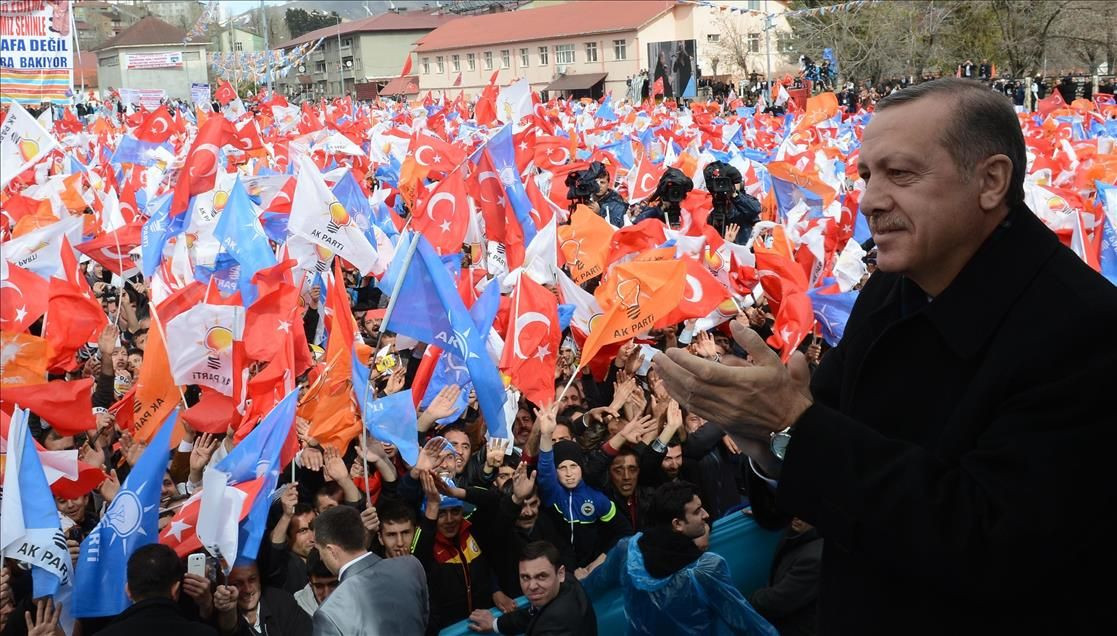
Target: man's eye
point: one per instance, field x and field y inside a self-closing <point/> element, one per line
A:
<point x="899" y="174"/>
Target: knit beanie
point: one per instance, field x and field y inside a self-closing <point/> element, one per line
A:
<point x="567" y="449"/>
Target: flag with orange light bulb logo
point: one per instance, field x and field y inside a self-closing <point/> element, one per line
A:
<point x="23" y="142"/>
<point x="206" y="340"/>
<point x="634" y="296"/>
<point x="318" y="217"/>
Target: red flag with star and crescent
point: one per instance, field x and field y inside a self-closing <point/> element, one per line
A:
<point x="23" y="298"/>
<point x="181" y="533"/>
<point x="443" y="217"/>
<point x="532" y="342"/>
<point x="199" y="173"/>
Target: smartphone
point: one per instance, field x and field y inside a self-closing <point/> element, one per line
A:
<point x="196" y="564"/>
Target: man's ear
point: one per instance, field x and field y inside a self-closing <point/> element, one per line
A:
<point x="677" y="525"/>
<point x="562" y="573"/>
<point x="175" y="587"/>
<point x="995" y="177"/>
<point x="128" y="591"/>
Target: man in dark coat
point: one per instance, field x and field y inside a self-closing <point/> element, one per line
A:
<point x="558" y="604"/>
<point x="954" y="455"/>
<point x="790" y="601"/>
<point x="154" y="583"/>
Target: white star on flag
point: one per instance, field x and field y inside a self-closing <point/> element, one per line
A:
<point x="284" y="326"/>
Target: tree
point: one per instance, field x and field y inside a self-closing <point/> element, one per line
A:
<point x="300" y="21"/>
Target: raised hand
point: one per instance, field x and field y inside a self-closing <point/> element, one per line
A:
<point x="204" y="448"/>
<point x="198" y="588"/>
<point x="335" y="465"/>
<point x="638" y="428"/>
<point x="45" y="621"/>
<point x="225" y="598"/>
<point x="434" y="452"/>
<point x="289" y="499"/>
<point x="312" y="458"/>
<point x="495" y="452"/>
<point x="731" y="232"/>
<point x="396" y="381"/>
<point x="369" y="519"/>
<point x="443" y="404"/>
<point x="522" y="484"/>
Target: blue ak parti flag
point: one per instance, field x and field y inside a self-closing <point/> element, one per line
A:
<point x="450" y="369"/>
<point x="503" y="158"/>
<point x="29" y="522"/>
<point x="831" y="310"/>
<point x="434" y="313"/>
<point x="156" y="230"/>
<point x="242" y="237"/>
<point x="131" y="521"/>
<point x="258" y="455"/>
<point x="391" y="419"/>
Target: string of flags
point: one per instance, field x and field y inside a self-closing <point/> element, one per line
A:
<point x="256" y="63"/>
<point x="825" y="10"/>
<point x="209" y="16"/>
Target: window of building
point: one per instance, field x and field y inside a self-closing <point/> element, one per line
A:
<point x="319" y="67"/>
<point x="591" y="51"/>
<point x="471" y="61"/>
<point x="345" y="42"/>
<point x="505" y="58"/>
<point x="619" y="50"/>
<point x="524" y="57"/>
<point x="564" y="54"/>
<point x="438" y="66"/>
<point x="754" y="43"/>
<point x="713" y="38"/>
<point x="785" y="43"/>
<point x="754" y="5"/>
<point x="456" y="62"/>
<point x="542" y="56"/>
<point x="426" y="66"/>
<point x="346" y="62"/>
<point x="488" y="60"/>
<point x="238" y="46"/>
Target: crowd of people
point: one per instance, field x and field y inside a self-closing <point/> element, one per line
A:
<point x="594" y="470"/>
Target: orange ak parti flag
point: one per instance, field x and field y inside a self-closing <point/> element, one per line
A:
<point x="584" y="244"/>
<point x="332" y="420"/>
<point x="23" y="359"/>
<point x="634" y="297"/>
<point x="156" y="394"/>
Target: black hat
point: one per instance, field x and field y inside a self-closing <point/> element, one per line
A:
<point x="721" y="169"/>
<point x="566" y="449"/>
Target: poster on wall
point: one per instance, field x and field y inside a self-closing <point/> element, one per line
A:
<point x="36" y="52"/>
<point x="676" y="63"/>
<point x="155" y="60"/>
<point x="200" y="94"/>
<point x="148" y="98"/>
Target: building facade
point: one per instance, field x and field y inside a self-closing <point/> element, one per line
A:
<point x="151" y="55"/>
<point x="578" y="47"/>
<point x="358" y="57"/>
<point x="235" y="40"/>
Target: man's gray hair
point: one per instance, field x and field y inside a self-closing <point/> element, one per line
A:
<point x="984" y="124"/>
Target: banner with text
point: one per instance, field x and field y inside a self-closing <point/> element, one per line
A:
<point x="200" y="93"/>
<point x="36" y="52"/>
<point x="172" y="59"/>
<point x="149" y="98"/>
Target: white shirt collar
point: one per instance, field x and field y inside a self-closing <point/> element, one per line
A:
<point x="341" y="572"/>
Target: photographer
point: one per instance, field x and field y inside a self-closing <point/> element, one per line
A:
<point x="732" y="206"/>
<point x="591" y="188"/>
<point x="664" y="202"/>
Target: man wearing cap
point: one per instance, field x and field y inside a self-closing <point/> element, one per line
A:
<point x="589" y="518"/>
<point x="458" y="573"/>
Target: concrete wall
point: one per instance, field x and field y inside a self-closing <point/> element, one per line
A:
<point x="176" y="81"/>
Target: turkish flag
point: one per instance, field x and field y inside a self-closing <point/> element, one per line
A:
<point x="406" y="66"/>
<point x="269" y="320"/>
<point x="181" y="533"/>
<point x="634" y="239"/>
<point x="213" y="413"/>
<point x="199" y="172"/>
<point x="701" y="295"/>
<point x="225" y="93"/>
<point x="644" y="179"/>
<point x="74" y="317"/>
<point x="434" y="153"/>
<point x="65" y="405"/>
<point x="794" y="321"/>
<point x="553" y="151"/>
<point x="443" y="217"/>
<point x="531" y="342"/>
<point x="635" y="296"/>
<point x="23" y="298"/>
<point x="584" y="244"/>
<point x="88" y="478"/>
<point x="156" y="127"/>
<point x="113" y="250"/>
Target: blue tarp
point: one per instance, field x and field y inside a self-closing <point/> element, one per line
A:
<point x="746" y="546"/>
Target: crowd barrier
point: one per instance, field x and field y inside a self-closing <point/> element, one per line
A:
<point x="747" y="548"/>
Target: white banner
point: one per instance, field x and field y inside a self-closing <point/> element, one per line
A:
<point x="155" y="60"/>
<point x="149" y="98"/>
<point x="36" y="52"/>
<point x="200" y="94"/>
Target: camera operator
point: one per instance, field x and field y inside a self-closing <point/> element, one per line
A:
<point x="732" y="205"/>
<point x="673" y="187"/>
<point x="591" y="188"/>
